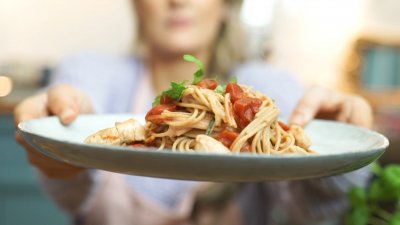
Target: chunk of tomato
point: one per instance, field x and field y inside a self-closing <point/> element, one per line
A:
<point x="283" y="126"/>
<point x="227" y="137"/>
<point x="166" y="100"/>
<point x="207" y="84"/>
<point x="235" y="91"/>
<point x="245" y="110"/>
<point x="153" y="114"/>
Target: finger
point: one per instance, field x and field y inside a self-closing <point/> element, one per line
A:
<point x="345" y="111"/>
<point x="19" y="138"/>
<point x="50" y="167"/>
<point x="28" y="148"/>
<point x="62" y="103"/>
<point x="361" y="113"/>
<point x="67" y="103"/>
<point x="306" y="108"/>
<point x="31" y="152"/>
<point x="315" y="100"/>
<point x="31" y="108"/>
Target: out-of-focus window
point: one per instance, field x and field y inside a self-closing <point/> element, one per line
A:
<point x="381" y="69"/>
<point x="257" y="17"/>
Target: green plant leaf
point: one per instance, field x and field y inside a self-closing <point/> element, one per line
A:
<point x="358" y="216"/>
<point x="200" y="72"/>
<point x="376" y="168"/>
<point x="358" y="197"/>
<point x="391" y="179"/>
<point x="395" y="220"/>
<point x="378" y="192"/>
<point x="380" y="212"/>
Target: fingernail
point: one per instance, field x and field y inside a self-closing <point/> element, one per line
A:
<point x="67" y="116"/>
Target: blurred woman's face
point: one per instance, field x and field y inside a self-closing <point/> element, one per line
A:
<point x="180" y="26"/>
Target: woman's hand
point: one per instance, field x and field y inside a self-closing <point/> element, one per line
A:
<point x="63" y="101"/>
<point x="323" y="103"/>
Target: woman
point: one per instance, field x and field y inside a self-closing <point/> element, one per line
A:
<point x="168" y="29"/>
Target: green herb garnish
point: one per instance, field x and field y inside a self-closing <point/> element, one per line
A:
<point x="200" y="72"/>
<point x="210" y="127"/>
<point x="175" y="92"/>
<point x="156" y="100"/>
<point x="220" y="89"/>
<point x="234" y="79"/>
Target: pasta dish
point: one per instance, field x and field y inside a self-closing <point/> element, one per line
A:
<point x="204" y="116"/>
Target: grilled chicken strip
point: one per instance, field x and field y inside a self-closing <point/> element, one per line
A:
<point x="205" y="143"/>
<point x="123" y="133"/>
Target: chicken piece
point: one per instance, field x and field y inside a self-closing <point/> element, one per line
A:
<point x="124" y="132"/>
<point x="302" y="140"/>
<point x="109" y="136"/>
<point x="130" y="131"/>
<point x="205" y="143"/>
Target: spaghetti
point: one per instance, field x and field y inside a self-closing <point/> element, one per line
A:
<point x="205" y="116"/>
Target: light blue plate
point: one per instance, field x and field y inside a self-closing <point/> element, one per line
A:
<point x="341" y="148"/>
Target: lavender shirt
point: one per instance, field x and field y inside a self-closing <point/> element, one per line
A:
<point x="110" y="82"/>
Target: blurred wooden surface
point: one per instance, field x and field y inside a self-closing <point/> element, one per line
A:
<point x="392" y="155"/>
<point x="6" y="108"/>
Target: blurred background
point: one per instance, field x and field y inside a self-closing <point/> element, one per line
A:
<point x="351" y="45"/>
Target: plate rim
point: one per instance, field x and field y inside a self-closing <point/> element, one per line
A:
<point x="23" y="130"/>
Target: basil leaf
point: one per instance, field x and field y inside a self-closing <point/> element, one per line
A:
<point x="220" y="89"/>
<point x="176" y="90"/>
<point x="200" y="72"/>
<point x="156" y="101"/>
<point x="234" y="79"/>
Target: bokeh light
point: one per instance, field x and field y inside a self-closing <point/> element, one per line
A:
<point x="5" y="86"/>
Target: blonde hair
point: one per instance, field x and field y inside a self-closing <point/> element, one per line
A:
<point x="229" y="49"/>
<point x="229" y="46"/>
